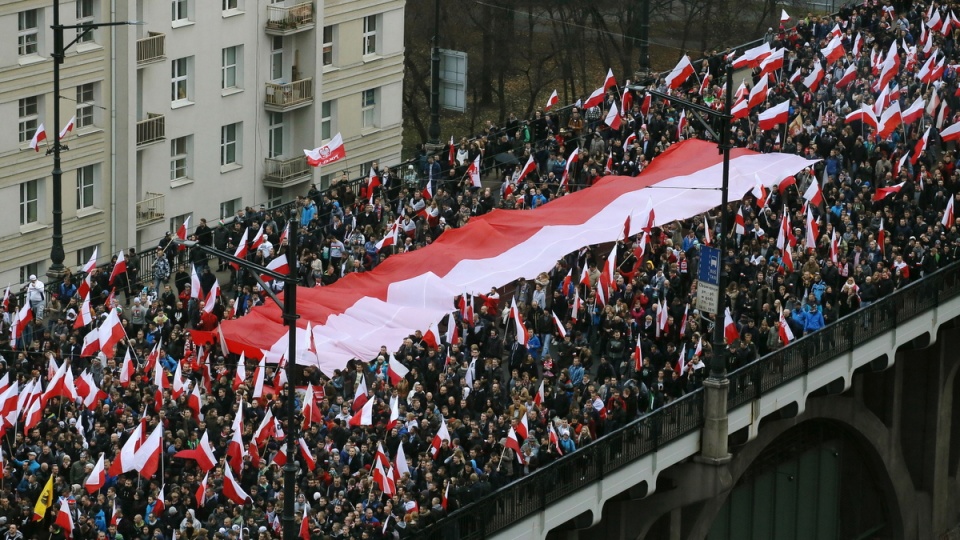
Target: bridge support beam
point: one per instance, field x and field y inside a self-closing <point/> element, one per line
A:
<point x="713" y="446"/>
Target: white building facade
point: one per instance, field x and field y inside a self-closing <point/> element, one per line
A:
<point x="203" y="109"/>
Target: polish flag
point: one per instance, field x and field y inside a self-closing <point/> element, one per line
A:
<point x="85" y="316"/>
<point x="774" y="116"/>
<point x="783" y="16"/>
<point x="741" y="109"/>
<point x="328" y="153"/>
<point x="848" y="77"/>
<point x="609" y="80"/>
<point x="65" y="518"/>
<point x="430" y="337"/>
<point x="574" y="157"/>
<point x="390" y="237"/>
<point x="786" y="334"/>
<point x="704" y="84"/>
<point x="473" y="171"/>
<point x="110" y="333"/>
<point x="119" y="268"/>
<point x="279" y="265"/>
<point x="514" y="444"/>
<point x="538" y="399"/>
<point x="924" y="74"/>
<point x="864" y="114"/>
<point x="364" y="417"/>
<point x="258" y="375"/>
<point x="771" y="63"/>
<point x="160" y="503"/>
<point x="39" y="135"/>
<point x="97" y="478"/>
<point x="952" y="133"/>
<point x="759" y="191"/>
<point x="360" y="396"/>
<point x="195" y="402"/>
<point x="948" y="218"/>
<point x="396" y="371"/>
<point x="453" y="151"/>
<point x="551" y="101"/>
<point x="241" y="251"/>
<point x="882" y="193"/>
<point x="235" y="447"/>
<point x="232" y="488"/>
<point x="523" y="428"/>
<point x="126" y="369"/>
<point x="211" y="300"/>
<point x="307" y="456"/>
<point x="918" y="149"/>
<point x="730" y="332"/>
<point x="753" y="57"/>
<point x="202" y="454"/>
<point x="21" y="320"/>
<point x="257" y="238"/>
<point x="560" y="329"/>
<point x="182" y="231"/>
<point x="613" y="117"/>
<point x="394" y="413"/>
<point x="834" y="247"/>
<point x="933" y="21"/>
<point x="834" y="50"/>
<point x="530" y="166"/>
<point x="813" y="230"/>
<point x="739" y="224"/>
<point x="681" y="124"/>
<point x="680" y="73"/>
<point x="179" y="385"/>
<point x="442" y="435"/>
<point x="890" y="120"/>
<point x="267" y="429"/>
<point x="596" y="98"/>
<point x="126" y="460"/>
<point x="914" y="112"/>
<point x="813" y="193"/>
<point x="201" y="495"/>
<point x="92" y="262"/>
<point x="241" y="374"/>
<point x="148" y="455"/>
<point x="400" y="464"/>
<point x="812" y="81"/>
<point x="518" y="321"/>
<point x="857" y="46"/>
<point x="68" y="128"/>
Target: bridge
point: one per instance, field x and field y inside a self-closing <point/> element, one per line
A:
<point x="845" y="433"/>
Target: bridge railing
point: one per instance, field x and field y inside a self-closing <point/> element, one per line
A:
<point x="534" y="492"/>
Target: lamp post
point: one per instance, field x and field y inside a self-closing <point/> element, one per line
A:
<point x="714" y="448"/>
<point x="56" y="269"/>
<point x="433" y="132"/>
<point x="289" y="307"/>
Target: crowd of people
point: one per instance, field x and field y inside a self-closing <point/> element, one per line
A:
<point x="475" y="414"/>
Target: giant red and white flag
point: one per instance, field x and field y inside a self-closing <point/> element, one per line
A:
<point x="327" y="153"/>
<point x="420" y="292"/>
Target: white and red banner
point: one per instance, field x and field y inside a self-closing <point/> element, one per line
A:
<point x="328" y="153"/>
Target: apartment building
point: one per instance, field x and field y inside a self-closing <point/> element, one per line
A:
<point x="202" y="109"/>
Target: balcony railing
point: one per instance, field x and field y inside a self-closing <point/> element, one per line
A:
<point x="151" y="49"/>
<point x="281" y="173"/>
<point x="151" y="130"/>
<point x="289" y="96"/>
<point x="150" y="210"/>
<point x="284" y="20"/>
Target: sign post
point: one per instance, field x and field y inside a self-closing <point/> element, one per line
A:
<point x="708" y="280"/>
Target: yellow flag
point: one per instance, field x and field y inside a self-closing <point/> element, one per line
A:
<point x="44" y="501"/>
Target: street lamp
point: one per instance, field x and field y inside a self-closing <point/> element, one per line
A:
<point x="433" y="132"/>
<point x="57" y="270"/>
<point x="289" y="306"/>
<point x="715" y="431"/>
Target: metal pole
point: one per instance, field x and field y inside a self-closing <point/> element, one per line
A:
<point x="57" y="269"/>
<point x="434" y="131"/>
<point x="644" y="36"/>
<point x="290" y="529"/>
<point x="718" y="367"/>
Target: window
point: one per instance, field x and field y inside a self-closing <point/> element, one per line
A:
<point x="326" y="120"/>
<point x="275" y="148"/>
<point x="86" y="179"/>
<point x="29" y="111"/>
<point x="229" y="208"/>
<point x="368" y="105"/>
<point x="231" y="63"/>
<point x="32" y="269"/>
<point x="28" y="28"/>
<point x="327" y="45"/>
<point x="85" y="105"/>
<point x="181" y="10"/>
<point x="229" y="147"/>
<point x="276" y="58"/>
<point x="274" y="197"/>
<point x="179" y="158"/>
<point x="29" y="202"/>
<point x="370" y="34"/>
<point x="83" y="255"/>
<point x="85" y="15"/>
<point x="231" y="5"/>
<point x="180" y="79"/>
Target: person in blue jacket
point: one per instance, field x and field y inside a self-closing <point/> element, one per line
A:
<point x="812" y="318"/>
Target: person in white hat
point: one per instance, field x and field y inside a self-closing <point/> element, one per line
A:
<point x="37" y="296"/>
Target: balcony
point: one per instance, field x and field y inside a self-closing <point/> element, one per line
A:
<point x="283" y="20"/>
<point x="283" y="173"/>
<point x="151" y="49"/>
<point x="151" y="130"/>
<point x="289" y="96"/>
<point x="150" y="210"/>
